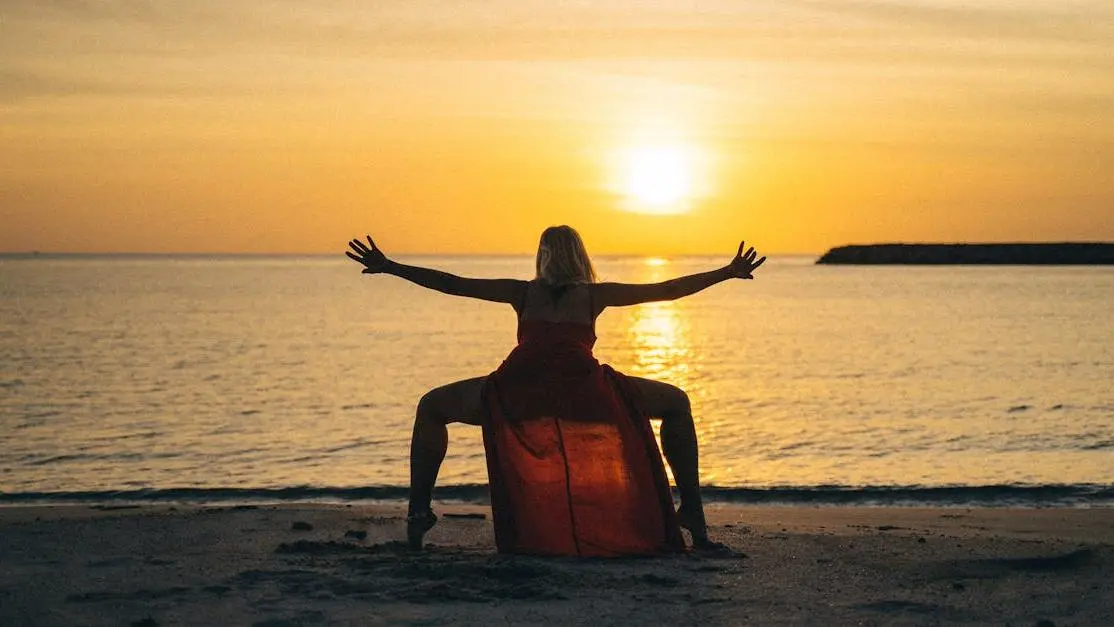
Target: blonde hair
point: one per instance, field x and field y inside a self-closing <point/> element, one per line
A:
<point x="562" y="258"/>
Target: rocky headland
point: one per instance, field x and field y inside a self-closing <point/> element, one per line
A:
<point x="1068" y="253"/>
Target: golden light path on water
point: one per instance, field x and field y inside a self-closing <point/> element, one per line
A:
<point x="660" y="338"/>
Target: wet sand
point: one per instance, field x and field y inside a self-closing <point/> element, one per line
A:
<point x="343" y="564"/>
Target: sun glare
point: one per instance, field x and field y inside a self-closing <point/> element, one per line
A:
<point x="657" y="179"/>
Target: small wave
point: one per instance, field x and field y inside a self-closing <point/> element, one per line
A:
<point x="796" y="445"/>
<point x="1098" y="446"/>
<point x="472" y="492"/>
<point x="350" y="445"/>
<point x="358" y="406"/>
<point x="1060" y="495"/>
<point x="143" y="435"/>
<point x="35" y="460"/>
<point x="57" y="459"/>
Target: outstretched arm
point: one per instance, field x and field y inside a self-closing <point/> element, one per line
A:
<point x="623" y="294"/>
<point x="375" y="262"/>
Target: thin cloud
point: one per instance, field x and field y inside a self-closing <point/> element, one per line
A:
<point x="542" y="30"/>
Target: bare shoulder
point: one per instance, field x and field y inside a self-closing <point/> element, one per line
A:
<point x="611" y="294"/>
<point x="602" y="295"/>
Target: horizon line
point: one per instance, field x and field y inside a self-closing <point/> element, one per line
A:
<point x="140" y="253"/>
<point x="44" y="253"/>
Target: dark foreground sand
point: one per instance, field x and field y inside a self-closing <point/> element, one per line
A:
<point x="162" y="565"/>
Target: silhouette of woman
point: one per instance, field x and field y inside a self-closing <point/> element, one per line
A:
<point x="572" y="462"/>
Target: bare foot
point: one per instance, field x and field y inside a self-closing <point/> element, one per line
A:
<point x="416" y="527"/>
<point x="692" y="518"/>
<point x="706" y="545"/>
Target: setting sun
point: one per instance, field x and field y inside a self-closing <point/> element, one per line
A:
<point x="657" y="180"/>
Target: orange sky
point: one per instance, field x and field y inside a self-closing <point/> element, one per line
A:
<point x="281" y="126"/>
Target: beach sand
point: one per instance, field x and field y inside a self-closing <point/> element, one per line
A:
<point x="296" y="564"/>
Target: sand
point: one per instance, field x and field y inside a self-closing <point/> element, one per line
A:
<point x="308" y="564"/>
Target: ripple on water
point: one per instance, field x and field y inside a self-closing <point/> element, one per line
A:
<point x="168" y="374"/>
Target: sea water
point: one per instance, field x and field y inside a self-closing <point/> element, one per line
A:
<point x="296" y="376"/>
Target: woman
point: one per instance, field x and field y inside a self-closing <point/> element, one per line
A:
<point x="572" y="462"/>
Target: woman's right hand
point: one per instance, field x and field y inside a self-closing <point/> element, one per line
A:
<point x="368" y="255"/>
<point x="744" y="265"/>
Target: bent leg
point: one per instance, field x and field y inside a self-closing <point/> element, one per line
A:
<point x="678" y="443"/>
<point x="455" y="402"/>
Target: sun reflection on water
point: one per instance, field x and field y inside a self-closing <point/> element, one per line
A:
<point x="658" y="334"/>
<point x="659" y="337"/>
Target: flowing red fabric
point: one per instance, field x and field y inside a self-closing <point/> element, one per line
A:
<point x="572" y="462"/>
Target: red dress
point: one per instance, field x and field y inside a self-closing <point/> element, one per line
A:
<point x="572" y="463"/>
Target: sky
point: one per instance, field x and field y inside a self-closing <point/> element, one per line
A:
<point x="443" y="127"/>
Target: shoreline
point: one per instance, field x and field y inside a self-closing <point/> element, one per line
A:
<point x="1037" y="496"/>
<point x="173" y="505"/>
<point x="314" y="563"/>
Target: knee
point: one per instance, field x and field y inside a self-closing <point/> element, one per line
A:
<point x="683" y="403"/>
<point x="429" y="404"/>
<point x="677" y="402"/>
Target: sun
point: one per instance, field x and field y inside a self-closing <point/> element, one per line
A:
<point x="657" y="179"/>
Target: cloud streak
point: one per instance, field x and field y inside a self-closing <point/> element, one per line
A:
<point x="531" y="29"/>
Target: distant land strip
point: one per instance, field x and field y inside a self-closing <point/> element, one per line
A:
<point x="1048" y="254"/>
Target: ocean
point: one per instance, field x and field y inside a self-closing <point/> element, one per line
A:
<point x="242" y="378"/>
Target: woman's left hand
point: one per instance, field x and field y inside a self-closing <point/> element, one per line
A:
<point x="744" y="264"/>
<point x="373" y="259"/>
